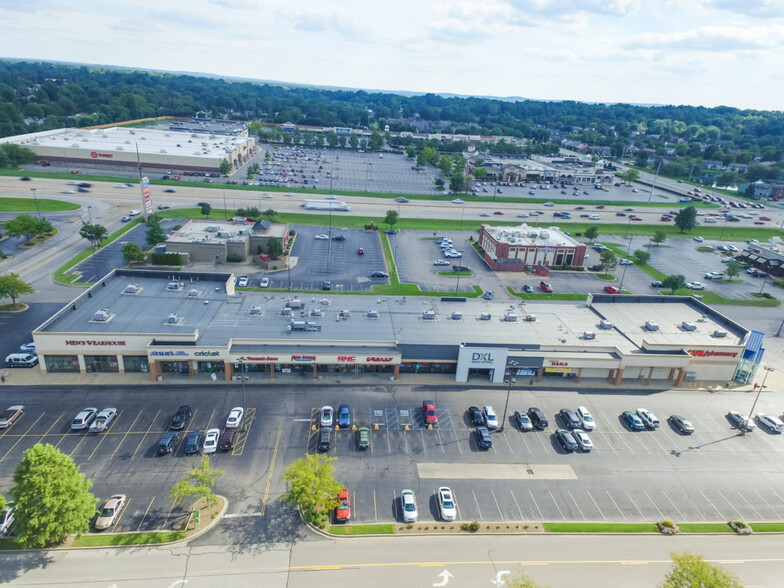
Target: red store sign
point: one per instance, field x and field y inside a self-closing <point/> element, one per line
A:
<point x="563" y="363"/>
<point x="96" y="155"/>
<point x="96" y="343"/>
<point x="704" y="353"/>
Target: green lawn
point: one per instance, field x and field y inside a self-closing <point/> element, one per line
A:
<point x="601" y="527"/>
<point x="767" y="527"/>
<point x="704" y="528"/>
<point x="28" y="205"/>
<point x="128" y="539"/>
<point x="9" y="544"/>
<point x="361" y="529"/>
<point x="451" y="273"/>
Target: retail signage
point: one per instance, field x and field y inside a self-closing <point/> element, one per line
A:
<point x="558" y="363"/>
<point x="558" y="370"/>
<point x="168" y="354"/>
<point x="94" y="342"/>
<point x="96" y="155"/>
<point x="477" y="357"/>
<point x="301" y="358"/>
<point x="183" y="353"/>
<point x="705" y="353"/>
<point x="323" y="359"/>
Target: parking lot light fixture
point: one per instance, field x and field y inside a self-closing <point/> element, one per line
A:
<point x="512" y="372"/>
<point x="756" y="398"/>
<point x="35" y="197"/>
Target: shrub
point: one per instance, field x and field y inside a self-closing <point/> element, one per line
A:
<point x="166" y="259"/>
<point x="473" y="527"/>
<point x="667" y="527"/>
<point x="234" y="258"/>
<point x="740" y="527"/>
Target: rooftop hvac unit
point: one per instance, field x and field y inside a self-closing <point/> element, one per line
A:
<point x="544" y="235"/>
<point x="102" y="315"/>
<point x="510" y="317"/>
<point x="193" y="293"/>
<point x="324" y="301"/>
<point x="485" y="316"/>
<point x="429" y="315"/>
<point x="211" y="229"/>
<point x="533" y="234"/>
<point x="285" y="312"/>
<point x="372" y="314"/>
<point x="175" y="286"/>
<point x="531" y="318"/>
<point x="457" y="316"/>
<point x="651" y="326"/>
<point x="344" y="314"/>
<point x="173" y="318"/>
<point x="255" y="311"/>
<point x="589" y="335"/>
<point x="719" y="333"/>
<point x="605" y="324"/>
<point x="687" y="326"/>
<point x="316" y="312"/>
<point x="295" y="303"/>
<point x="131" y="289"/>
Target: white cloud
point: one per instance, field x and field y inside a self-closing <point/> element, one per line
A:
<point x="711" y="39"/>
<point x="753" y="8"/>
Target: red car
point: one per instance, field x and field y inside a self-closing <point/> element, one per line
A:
<point x="74" y="171"/>
<point x="429" y="412"/>
<point x="343" y="510"/>
<point x="545" y="286"/>
<point x="765" y="218"/>
<point x="361" y="251"/>
<point x="600" y="206"/>
<point x="666" y="218"/>
<point x="635" y="218"/>
<point x="612" y="290"/>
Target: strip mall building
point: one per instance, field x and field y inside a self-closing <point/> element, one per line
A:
<point x="195" y="325"/>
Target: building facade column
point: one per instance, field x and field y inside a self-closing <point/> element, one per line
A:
<point x="272" y="371"/>
<point x="579" y="374"/>
<point x="681" y="376"/>
<point x="315" y="372"/>
<point x="155" y="370"/>
<point x="229" y="369"/>
<point x="120" y="364"/>
<point x="397" y="371"/>
<point x="356" y="371"/>
<point x="618" y="376"/>
<point x="650" y="376"/>
<point x="192" y="369"/>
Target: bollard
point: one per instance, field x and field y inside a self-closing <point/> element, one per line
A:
<point x="375" y="427"/>
<point x="406" y="427"/>
<point x="430" y="427"/>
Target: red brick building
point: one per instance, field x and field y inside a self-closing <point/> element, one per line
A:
<point x="513" y="249"/>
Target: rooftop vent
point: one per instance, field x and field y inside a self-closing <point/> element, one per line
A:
<point x="651" y="326"/>
<point x="211" y="229"/>
<point x="255" y="311"/>
<point x="531" y="318"/>
<point x="605" y="324"/>
<point x="429" y="315"/>
<point x="485" y="316"/>
<point x="372" y="314"/>
<point x="457" y="316"/>
<point x="589" y="335"/>
<point x="172" y="319"/>
<point x="324" y="301"/>
<point x="344" y="314"/>
<point x="175" y="286"/>
<point x="285" y="312"/>
<point x="719" y="333"/>
<point x="131" y="289"/>
<point x="687" y="326"/>
<point x="316" y="312"/>
<point x="101" y="315"/>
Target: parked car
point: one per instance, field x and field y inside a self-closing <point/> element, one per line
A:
<point x="681" y="424"/>
<point x="181" y="418"/>
<point x="475" y="416"/>
<point x="446" y="504"/>
<point x="168" y="442"/>
<point x="740" y="422"/>
<point x="695" y="285"/>
<point x="528" y="289"/>
<point x="408" y="506"/>
<point x="583" y="441"/>
<point x="109" y="512"/>
<point x="264" y="283"/>
<point x="569" y="418"/>
<point x="242" y="282"/>
<point x="10" y="415"/>
<point x="322" y="237"/>
<point x="538" y="419"/>
<point x="7" y="519"/>
<point x="771" y="423"/>
<point x="363" y="437"/>
<point x="483" y="439"/>
<point x="327" y="416"/>
<point x="429" y="412"/>
<point x="27" y="348"/>
<point x="325" y="439"/>
<point x="228" y="439"/>
<point x="545" y="286"/>
<point x="523" y="420"/>
<point x="344" y="416"/>
<point x="379" y="274"/>
<point x="586" y="418"/>
<point x="235" y="417"/>
<point x="211" y="441"/>
<point x="632" y="421"/>
<point x="648" y="418"/>
<point x="612" y="290"/>
<point x="491" y="420"/>
<point x="102" y="420"/>
<point x="361" y="251"/>
<point x="440" y="262"/>
<point x="343" y="509"/>
<point x="83" y="420"/>
<point x="566" y="440"/>
<point x="192" y="442"/>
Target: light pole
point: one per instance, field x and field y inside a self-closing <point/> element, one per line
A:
<point x="625" y="265"/>
<point x="95" y="259"/>
<point x="653" y="184"/>
<point x="723" y="227"/>
<point x="512" y="372"/>
<point x="751" y="412"/>
<point x="765" y="281"/>
<point x="35" y="197"/>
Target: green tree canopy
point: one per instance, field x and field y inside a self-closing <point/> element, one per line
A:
<point x="224" y="168"/>
<point x="686" y="219"/>
<point x="270" y="214"/>
<point x="733" y="269"/>
<point x="591" y="233"/>
<point x="155" y="233"/>
<point x="198" y="484"/>
<point x="439" y="183"/>
<point x="391" y="218"/>
<point x="52" y="497"/>
<point x="27" y="226"/>
<point x="631" y="175"/>
<point x="376" y="141"/>
<point x="311" y="485"/>
<point x="275" y="247"/>
<point x="608" y="261"/>
<point x="12" y="286"/>
<point x="410" y="151"/>
<point x="674" y="282"/>
<point x="457" y="182"/>
<point x="692" y="571"/>
<point x="132" y="253"/>
<point x="94" y="233"/>
<point x="659" y="236"/>
<point x="445" y="165"/>
<point x="642" y="256"/>
<point x="206" y="208"/>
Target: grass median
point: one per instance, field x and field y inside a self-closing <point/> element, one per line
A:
<point x="24" y="205"/>
<point x="601" y="527"/>
<point x="361" y="529"/>
<point x="128" y="539"/>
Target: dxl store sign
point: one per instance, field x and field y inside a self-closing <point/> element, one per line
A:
<point x="477" y="357"/>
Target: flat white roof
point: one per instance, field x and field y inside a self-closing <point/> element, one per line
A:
<point x="532" y="236"/>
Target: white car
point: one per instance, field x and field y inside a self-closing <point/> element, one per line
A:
<point x="457" y="201"/>
<point x="732" y="248"/>
<point x="235" y="417"/>
<point x="522" y="215"/>
<point x="134" y="212"/>
<point x="583" y="440"/>
<point x="28" y="348"/>
<point x="648" y="418"/>
<point x="242" y="282"/>
<point x="714" y="276"/>
<point x="211" y="441"/>
<point x="446" y="504"/>
<point x="408" y="506"/>
<point x="491" y="420"/>
<point x="625" y="261"/>
<point x="264" y="283"/>
<point x="7" y="519"/>
<point x="67" y="191"/>
<point x="699" y="239"/>
<point x="739" y="421"/>
<point x="772" y="423"/>
<point x="586" y="418"/>
<point x="266" y="195"/>
<point x="102" y="420"/>
<point x="322" y="237"/>
<point x="327" y="416"/>
<point x="710" y="220"/>
<point x="84" y="419"/>
<point x="109" y="512"/>
<point x="695" y="285"/>
<point x="594" y="217"/>
<point x="440" y="262"/>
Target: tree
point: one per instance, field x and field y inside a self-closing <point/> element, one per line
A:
<point x="27" y="226"/>
<point x="686" y="219"/>
<point x="391" y="218"/>
<point x="94" y="233"/>
<point x="642" y="256"/>
<point x="52" y="497"/>
<point x="410" y="151"/>
<point x="421" y="160"/>
<point x="206" y="208"/>
<point x="692" y="571"/>
<point x="311" y="485"/>
<point x="224" y="168"/>
<point x="3" y="503"/>
<point x="275" y="247"/>
<point x="439" y="183"/>
<point x="11" y="286"/>
<point x="269" y="214"/>
<point x="132" y="253"/>
<point x="376" y="141"/>
<point x="631" y="175"/>
<point x="659" y="236"/>
<point x="445" y="165"/>
<point x="674" y="282"/>
<point x="198" y="484"/>
<point x="591" y="233"/>
<point x="608" y="261"/>
<point x="155" y="233"/>
<point x="457" y="182"/>
<point x="520" y="580"/>
<point x="733" y="269"/>
<point x="480" y="173"/>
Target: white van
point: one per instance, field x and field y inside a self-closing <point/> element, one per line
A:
<point x="26" y="360"/>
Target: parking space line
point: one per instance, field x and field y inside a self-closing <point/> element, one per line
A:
<point x="773" y="510"/>
<point x="721" y="516"/>
<point x="509" y="445"/>
<point x="312" y="429"/>
<point x="476" y="500"/>
<point x="542" y="442"/>
<point x="778" y="497"/>
<point x="577" y="505"/>
<point x="271" y="469"/>
<point x="127" y="504"/>
<point x="375" y="509"/>
<point x="656" y="506"/>
<point x="732" y="506"/>
<point x="616" y="504"/>
<point x="743" y="496"/>
<point x="103" y="438"/>
<point x="527" y="448"/>
<point x="634" y="503"/>
<point x="596" y="504"/>
<point x="395" y="505"/>
<point x="242" y="438"/>
<point x="84" y="436"/>
<point x="457" y="506"/>
<point x="522" y="518"/>
<point x="440" y="441"/>
<point x="457" y="442"/>
<point x="405" y="440"/>
<point x="697" y="510"/>
<point x="555" y="502"/>
<point x="655" y="437"/>
<point x="116" y="449"/>
<point x="389" y="447"/>
<point x="166" y="520"/>
<point x="149" y="506"/>
<point x="541" y="516"/>
<point x="608" y="443"/>
<point x="22" y="436"/>
<point x="424" y="447"/>
<point x="496" y="505"/>
<point x="675" y="506"/>
<point x="152" y="422"/>
<point x="54" y="424"/>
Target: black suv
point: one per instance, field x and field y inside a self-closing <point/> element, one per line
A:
<point x="569" y="418"/>
<point x="193" y="443"/>
<point x="475" y="416"/>
<point x="326" y="285"/>
<point x="483" y="438"/>
<point x="538" y="420"/>
<point x="167" y="442"/>
<point x="566" y="440"/>
<point x="181" y="418"/>
<point x="228" y="439"/>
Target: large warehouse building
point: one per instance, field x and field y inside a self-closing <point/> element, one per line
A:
<point x="156" y="148"/>
<point x="185" y="325"/>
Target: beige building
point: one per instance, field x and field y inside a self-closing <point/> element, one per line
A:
<point x="210" y="241"/>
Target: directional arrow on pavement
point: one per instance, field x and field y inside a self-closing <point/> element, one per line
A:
<point x="445" y="575"/>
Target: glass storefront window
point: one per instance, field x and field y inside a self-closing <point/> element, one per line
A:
<point x="62" y="363"/>
<point x="101" y="363"/>
<point x="136" y="364"/>
<point x="175" y="367"/>
<point x="212" y="367"/>
<point x="428" y="368"/>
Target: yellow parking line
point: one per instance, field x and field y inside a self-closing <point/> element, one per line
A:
<point x="166" y="520"/>
<point x="149" y="506"/>
<point x="147" y="432"/>
<point x="125" y="508"/>
<point x="22" y="436"/>
<point x="243" y="437"/>
<point x="457" y="506"/>
<point x="209" y="422"/>
<point x="312" y="429"/>
<point x="271" y="470"/>
<point x="84" y="436"/>
<point x="54" y="424"/>
<point x="126" y="434"/>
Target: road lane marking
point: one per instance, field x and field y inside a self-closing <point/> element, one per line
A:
<point x="144" y="516"/>
<point x="577" y="506"/>
<point x="522" y="518"/>
<point x="616" y="504"/>
<point x="541" y="516"/>
<point x="152" y="422"/>
<point x="126" y="434"/>
<point x="272" y="469"/>
<point x="555" y="502"/>
<point x="496" y="505"/>
<point x="596" y="504"/>
<point x="22" y="437"/>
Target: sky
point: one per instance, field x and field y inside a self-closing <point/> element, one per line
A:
<point x="696" y="52"/>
